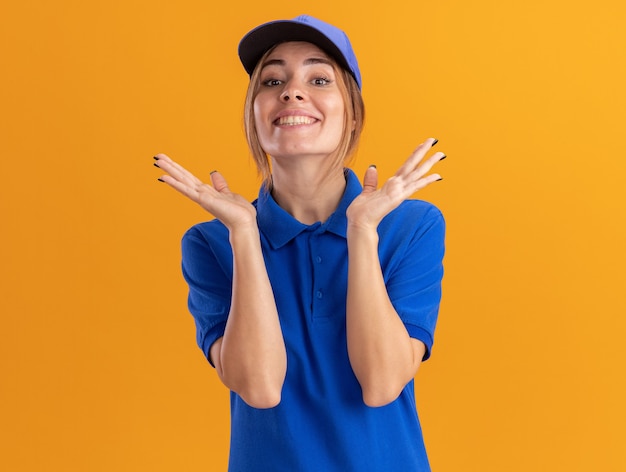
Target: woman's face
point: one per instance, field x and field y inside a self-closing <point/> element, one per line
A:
<point x="299" y="109"/>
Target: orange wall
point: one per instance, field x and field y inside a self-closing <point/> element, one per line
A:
<point x="99" y="368"/>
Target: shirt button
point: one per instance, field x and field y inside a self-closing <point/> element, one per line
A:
<point x="319" y="294"/>
<point x="318" y="259"/>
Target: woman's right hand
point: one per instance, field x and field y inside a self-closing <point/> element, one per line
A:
<point x="231" y="209"/>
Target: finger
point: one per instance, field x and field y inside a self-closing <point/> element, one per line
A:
<point x="172" y="167"/>
<point x="417" y="156"/>
<point x="176" y="170"/>
<point x="370" y="179"/>
<point x="161" y="156"/>
<point x="203" y="194"/>
<point x="423" y="182"/>
<point x="219" y="182"/>
<point x="425" y="167"/>
<point x="164" y="159"/>
<point x="181" y="187"/>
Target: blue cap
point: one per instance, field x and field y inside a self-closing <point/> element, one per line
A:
<point x="302" y="28"/>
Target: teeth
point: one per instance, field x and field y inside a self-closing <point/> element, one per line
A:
<point x="295" y="120"/>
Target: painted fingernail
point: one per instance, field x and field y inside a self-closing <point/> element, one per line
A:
<point x="373" y="166"/>
<point x="156" y="165"/>
<point x="160" y="179"/>
<point x="440" y="178"/>
<point x="213" y="172"/>
<point x="434" y="142"/>
<point x="156" y="158"/>
<point x="443" y="157"/>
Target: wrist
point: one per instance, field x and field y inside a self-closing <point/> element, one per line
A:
<point x="243" y="232"/>
<point x="362" y="232"/>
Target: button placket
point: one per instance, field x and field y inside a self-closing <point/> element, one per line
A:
<point x="318" y="290"/>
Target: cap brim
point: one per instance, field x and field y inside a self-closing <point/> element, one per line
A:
<point x="258" y="41"/>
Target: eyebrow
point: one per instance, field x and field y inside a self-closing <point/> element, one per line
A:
<point x="307" y="62"/>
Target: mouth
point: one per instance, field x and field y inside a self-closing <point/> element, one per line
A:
<point x="294" y="120"/>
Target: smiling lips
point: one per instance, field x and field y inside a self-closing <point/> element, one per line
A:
<point x="294" y="120"/>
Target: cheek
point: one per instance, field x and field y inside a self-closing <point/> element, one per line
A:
<point x="336" y="107"/>
<point x="336" y="114"/>
<point x="256" y="110"/>
<point x="257" y="113"/>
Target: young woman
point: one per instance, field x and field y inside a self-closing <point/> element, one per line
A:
<point x="317" y="302"/>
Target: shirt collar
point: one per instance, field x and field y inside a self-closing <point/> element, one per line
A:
<point x="280" y="227"/>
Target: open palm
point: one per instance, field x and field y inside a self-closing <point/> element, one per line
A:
<point x="230" y="208"/>
<point x="373" y="204"/>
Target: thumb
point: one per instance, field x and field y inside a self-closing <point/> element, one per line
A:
<point x="219" y="182"/>
<point x="370" y="180"/>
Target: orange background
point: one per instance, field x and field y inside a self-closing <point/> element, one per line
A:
<point x="99" y="367"/>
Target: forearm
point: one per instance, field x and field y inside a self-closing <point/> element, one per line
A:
<point x="252" y="356"/>
<point x="383" y="356"/>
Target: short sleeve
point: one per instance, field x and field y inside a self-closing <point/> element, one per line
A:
<point x="207" y="269"/>
<point x="413" y="267"/>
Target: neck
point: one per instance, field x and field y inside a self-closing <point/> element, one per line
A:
<point x="308" y="193"/>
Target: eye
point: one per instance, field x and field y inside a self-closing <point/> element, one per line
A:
<point x="320" y="81"/>
<point x="271" y="82"/>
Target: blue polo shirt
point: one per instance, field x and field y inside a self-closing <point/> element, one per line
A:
<point x="321" y="423"/>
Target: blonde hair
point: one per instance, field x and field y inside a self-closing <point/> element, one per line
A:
<point x="354" y="120"/>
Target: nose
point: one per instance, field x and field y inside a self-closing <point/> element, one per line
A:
<point x="292" y="92"/>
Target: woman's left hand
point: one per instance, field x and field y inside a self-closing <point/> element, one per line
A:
<point x="369" y="208"/>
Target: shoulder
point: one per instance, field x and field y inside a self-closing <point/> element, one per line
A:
<point x="419" y="208"/>
<point x="412" y="217"/>
<point x="211" y="235"/>
<point x="206" y="230"/>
